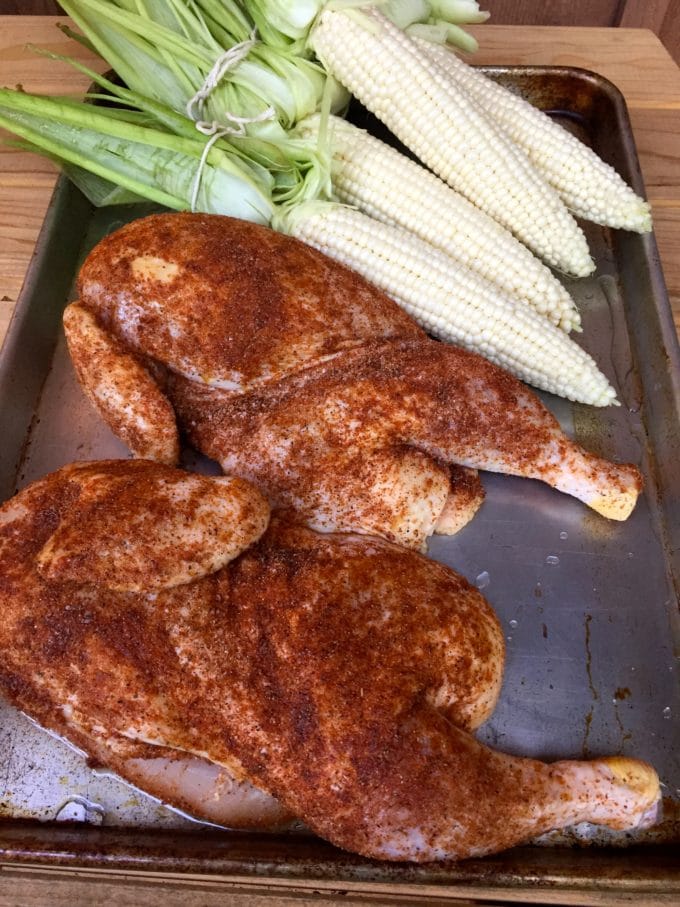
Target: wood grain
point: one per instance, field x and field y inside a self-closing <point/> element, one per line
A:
<point x="670" y="30"/>
<point x="29" y="7"/>
<point x="667" y="231"/>
<point x="558" y="12"/>
<point x="660" y="16"/>
<point x="658" y="144"/>
<point x="633" y="59"/>
<point x="643" y="14"/>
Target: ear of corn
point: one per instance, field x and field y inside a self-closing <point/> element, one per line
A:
<point x="449" y="301"/>
<point x="418" y="102"/>
<point x="591" y="188"/>
<point x="388" y="186"/>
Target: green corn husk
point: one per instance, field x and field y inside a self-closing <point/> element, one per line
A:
<point x="166" y="50"/>
<point x="148" y="162"/>
<point x="289" y="24"/>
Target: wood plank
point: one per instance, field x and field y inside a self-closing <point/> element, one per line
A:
<point x="633" y="59"/>
<point x="19" y="64"/>
<point x="660" y="16"/>
<point x="667" y="232"/>
<point x="30" y="7"/>
<point x="657" y="136"/>
<point x="558" y="12"/>
<point x="670" y="31"/>
<point x="27" y="181"/>
<point x="643" y="14"/>
<point x="21" y="216"/>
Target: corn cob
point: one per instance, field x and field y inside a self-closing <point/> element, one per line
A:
<point x="386" y="185"/>
<point x="417" y="101"/>
<point x="589" y="187"/>
<point x="449" y="301"/>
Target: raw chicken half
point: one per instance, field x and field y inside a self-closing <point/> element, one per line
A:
<point x="295" y="373"/>
<point x="335" y="678"/>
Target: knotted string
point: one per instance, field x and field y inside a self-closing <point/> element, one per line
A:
<point x="216" y="130"/>
<point x="226" y="61"/>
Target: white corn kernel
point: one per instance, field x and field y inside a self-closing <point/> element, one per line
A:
<point x="388" y="186"/>
<point x="591" y="188"/>
<point x="376" y="61"/>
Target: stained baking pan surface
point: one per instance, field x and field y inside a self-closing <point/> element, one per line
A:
<point x="589" y="607"/>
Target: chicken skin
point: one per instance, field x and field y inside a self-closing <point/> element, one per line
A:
<point x="293" y="372"/>
<point x="338" y="674"/>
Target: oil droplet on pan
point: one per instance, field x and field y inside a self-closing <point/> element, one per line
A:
<point x="483" y="580"/>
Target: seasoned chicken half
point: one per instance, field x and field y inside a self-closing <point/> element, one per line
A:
<point x="293" y="372"/>
<point x="338" y="674"/>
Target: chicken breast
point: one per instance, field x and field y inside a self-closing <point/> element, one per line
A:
<point x="228" y="303"/>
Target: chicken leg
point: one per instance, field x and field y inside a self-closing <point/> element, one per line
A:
<point x="318" y="440"/>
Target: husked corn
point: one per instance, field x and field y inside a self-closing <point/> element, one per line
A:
<point x="589" y="187"/>
<point x="388" y="186"/>
<point x="419" y="103"/>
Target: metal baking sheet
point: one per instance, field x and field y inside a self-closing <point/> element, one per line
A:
<point x="589" y="607"/>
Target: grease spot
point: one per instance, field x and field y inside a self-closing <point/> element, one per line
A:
<point x="483" y="580"/>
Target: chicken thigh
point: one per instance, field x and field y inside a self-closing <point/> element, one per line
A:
<point x="293" y="372"/>
<point x="338" y="674"/>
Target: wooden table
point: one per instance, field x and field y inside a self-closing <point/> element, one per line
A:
<point x="633" y="59"/>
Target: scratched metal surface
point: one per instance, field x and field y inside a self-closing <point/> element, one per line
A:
<point x="589" y="607"/>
